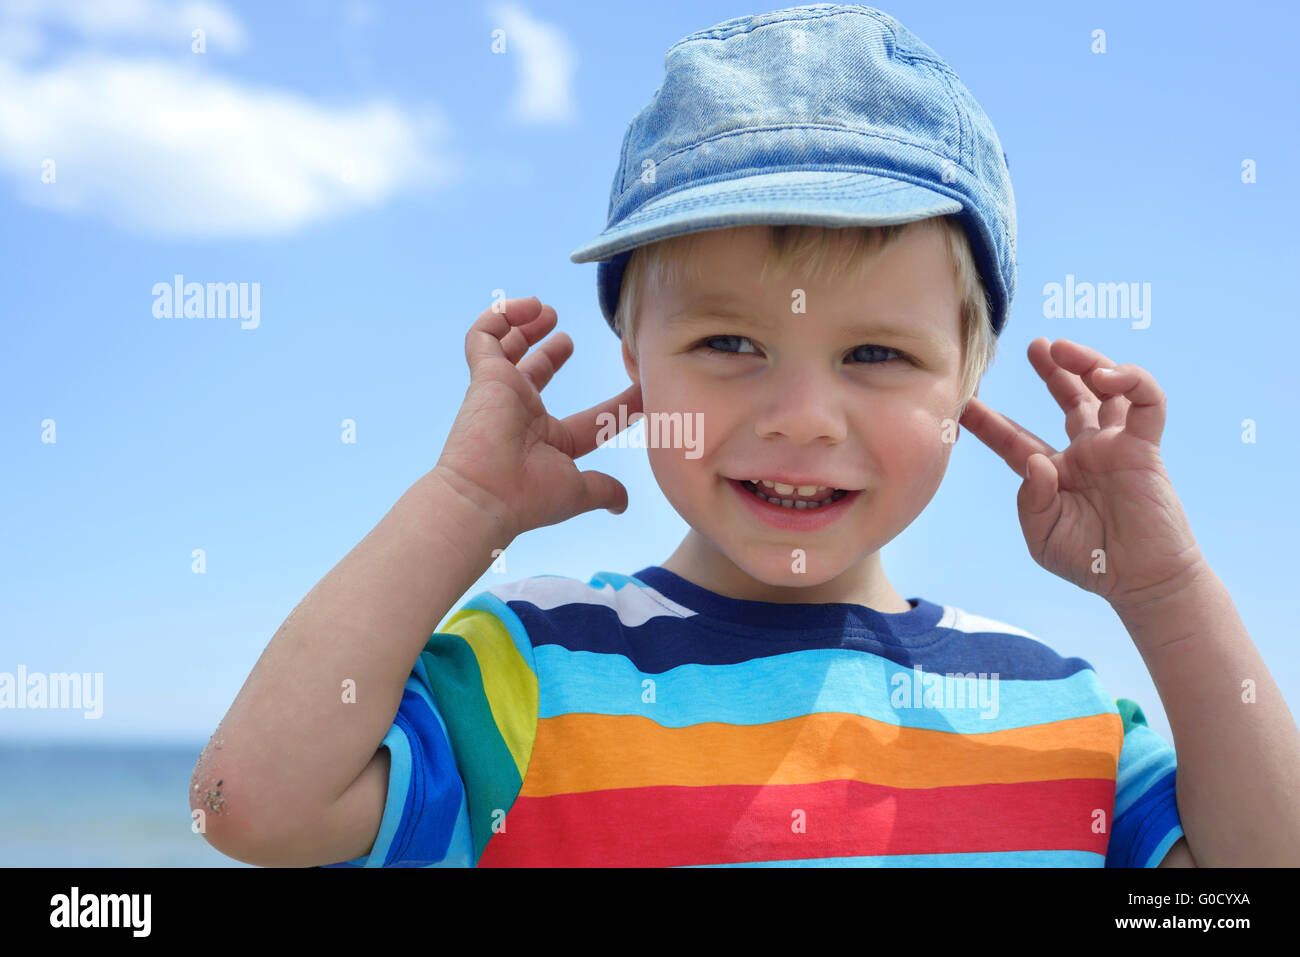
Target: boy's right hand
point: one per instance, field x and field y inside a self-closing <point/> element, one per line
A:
<point x="504" y="451"/>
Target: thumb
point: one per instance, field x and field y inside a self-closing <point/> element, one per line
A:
<point x="603" y="491"/>
<point x="1039" y="489"/>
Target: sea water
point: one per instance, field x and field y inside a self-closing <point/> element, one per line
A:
<point x="100" y="805"/>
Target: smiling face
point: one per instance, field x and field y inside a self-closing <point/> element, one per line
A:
<point x="851" y="392"/>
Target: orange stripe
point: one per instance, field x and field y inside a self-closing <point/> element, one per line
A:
<point x="591" y="752"/>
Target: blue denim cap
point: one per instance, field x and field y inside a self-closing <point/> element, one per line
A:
<point x="831" y="115"/>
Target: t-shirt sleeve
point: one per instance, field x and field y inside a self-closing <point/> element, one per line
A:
<point x="1145" y="822"/>
<point x="460" y="742"/>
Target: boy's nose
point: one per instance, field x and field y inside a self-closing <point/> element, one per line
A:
<point x="802" y="407"/>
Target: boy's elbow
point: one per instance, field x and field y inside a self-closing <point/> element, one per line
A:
<point x="212" y="816"/>
<point x="236" y="836"/>
<point x="228" y="824"/>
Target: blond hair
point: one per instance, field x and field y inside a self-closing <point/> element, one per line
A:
<point x="811" y="248"/>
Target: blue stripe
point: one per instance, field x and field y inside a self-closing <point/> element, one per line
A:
<point x="1140" y="832"/>
<point x="666" y="642"/>
<point x="460" y="847"/>
<point x="776" y="689"/>
<point x="1162" y="848"/>
<point x="426" y="799"/>
<point x="908" y="628"/>
<point x="616" y="581"/>
<point x="399" y="773"/>
<point x="1144" y="759"/>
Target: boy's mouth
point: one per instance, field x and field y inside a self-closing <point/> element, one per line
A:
<point x="802" y="498"/>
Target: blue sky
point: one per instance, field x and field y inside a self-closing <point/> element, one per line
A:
<point x="378" y="171"/>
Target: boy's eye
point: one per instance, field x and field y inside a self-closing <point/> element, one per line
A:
<point x="725" y="339"/>
<point x="883" y="354"/>
<point x="880" y="351"/>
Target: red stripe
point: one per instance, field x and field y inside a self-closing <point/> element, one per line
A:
<point x="727" y="824"/>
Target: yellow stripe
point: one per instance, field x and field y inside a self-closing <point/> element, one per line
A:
<point x="591" y="752"/>
<point x="508" y="683"/>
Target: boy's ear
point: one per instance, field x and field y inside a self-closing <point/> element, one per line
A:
<point x="630" y="363"/>
<point x="962" y="410"/>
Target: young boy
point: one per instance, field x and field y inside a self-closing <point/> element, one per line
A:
<point x="810" y="253"/>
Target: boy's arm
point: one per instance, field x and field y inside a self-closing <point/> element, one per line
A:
<point x="1238" y="746"/>
<point x="294" y="775"/>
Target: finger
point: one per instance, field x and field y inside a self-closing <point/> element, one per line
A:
<point x="1012" y="441"/>
<point x="541" y="364"/>
<point x="1038" y="501"/>
<point x="1077" y="402"/>
<point x="483" y="341"/>
<point x="1148" y="406"/>
<point x="1086" y="363"/>
<point x="583" y="427"/>
<point x="519" y="339"/>
<point x="603" y="491"/>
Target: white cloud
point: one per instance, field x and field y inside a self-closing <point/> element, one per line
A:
<point x="171" y="150"/>
<point x="166" y="147"/>
<point x="546" y="61"/>
<point x="137" y="19"/>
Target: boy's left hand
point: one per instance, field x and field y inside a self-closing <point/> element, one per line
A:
<point x="1108" y="490"/>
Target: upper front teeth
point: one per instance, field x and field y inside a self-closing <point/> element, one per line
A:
<point x="782" y="489"/>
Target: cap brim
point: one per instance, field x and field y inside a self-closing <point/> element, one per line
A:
<point x="813" y="197"/>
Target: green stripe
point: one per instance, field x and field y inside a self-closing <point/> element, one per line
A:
<point x="1130" y="713"/>
<point x="486" y="765"/>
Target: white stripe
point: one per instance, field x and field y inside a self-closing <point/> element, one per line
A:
<point x="634" y="604"/>
<point x="964" y="621"/>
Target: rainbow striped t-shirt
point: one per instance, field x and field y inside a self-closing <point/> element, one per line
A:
<point x="645" y="721"/>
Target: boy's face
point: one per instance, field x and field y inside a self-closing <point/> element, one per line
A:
<point x="802" y="393"/>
